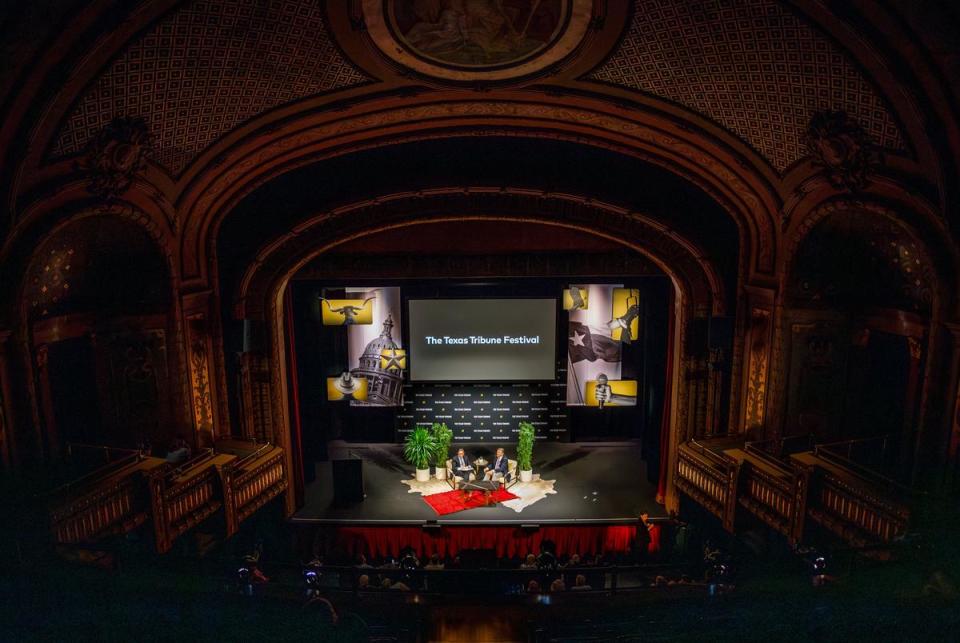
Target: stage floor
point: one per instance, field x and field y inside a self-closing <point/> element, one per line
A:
<point x="595" y="483"/>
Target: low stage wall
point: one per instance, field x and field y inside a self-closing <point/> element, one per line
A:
<point x="507" y="542"/>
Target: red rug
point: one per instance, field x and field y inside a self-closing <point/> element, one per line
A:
<point x="453" y="501"/>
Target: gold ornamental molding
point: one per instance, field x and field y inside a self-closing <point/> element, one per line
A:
<point x="753" y="211"/>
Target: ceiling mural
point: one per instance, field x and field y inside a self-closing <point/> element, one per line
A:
<point x="750" y="65"/>
<point x="208" y="67"/>
<point x="474" y="40"/>
<point x="477" y="34"/>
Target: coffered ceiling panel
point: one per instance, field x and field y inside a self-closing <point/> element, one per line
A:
<point x="208" y="67"/>
<point x="752" y="66"/>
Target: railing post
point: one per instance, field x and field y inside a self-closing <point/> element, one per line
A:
<point x="801" y="490"/>
<point x="229" y="507"/>
<point x="161" y="537"/>
<point x="730" y="506"/>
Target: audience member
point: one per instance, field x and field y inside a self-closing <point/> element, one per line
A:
<point x="580" y="583"/>
<point x="533" y="587"/>
<point x="363" y="582"/>
<point x="640" y="545"/>
<point x="179" y="451"/>
<point x="530" y="562"/>
<point x="257" y="577"/>
<point x="324" y="608"/>
<point x="557" y="586"/>
<point x="435" y="563"/>
<point x="363" y="564"/>
<point x="409" y="560"/>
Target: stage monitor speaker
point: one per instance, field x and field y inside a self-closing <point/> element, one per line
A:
<point x="348" y="481"/>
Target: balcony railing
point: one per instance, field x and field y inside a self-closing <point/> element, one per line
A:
<point x="823" y="485"/>
<point x="129" y="489"/>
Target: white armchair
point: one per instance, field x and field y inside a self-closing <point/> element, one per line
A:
<point x="512" y="470"/>
<point x="453" y="476"/>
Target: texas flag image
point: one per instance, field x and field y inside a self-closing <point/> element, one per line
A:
<point x="591" y="349"/>
<point x="591" y="345"/>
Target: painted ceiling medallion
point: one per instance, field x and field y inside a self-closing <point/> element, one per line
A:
<point x="477" y="40"/>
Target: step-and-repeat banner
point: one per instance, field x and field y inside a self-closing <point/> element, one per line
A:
<point x="486" y="412"/>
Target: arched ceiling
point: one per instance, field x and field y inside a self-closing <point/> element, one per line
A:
<point x="752" y="66"/>
<point x="235" y="93"/>
<point x="208" y="66"/>
<point x="755" y="67"/>
<point x="477" y="237"/>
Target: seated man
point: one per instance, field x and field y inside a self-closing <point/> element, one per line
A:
<point x="499" y="468"/>
<point x="462" y="467"/>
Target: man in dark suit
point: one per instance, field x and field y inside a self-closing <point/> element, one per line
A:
<point x="462" y="467"/>
<point x="498" y="468"/>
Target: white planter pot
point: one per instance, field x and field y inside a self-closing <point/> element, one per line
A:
<point x="526" y="476"/>
<point x="423" y="475"/>
<point x="441" y="473"/>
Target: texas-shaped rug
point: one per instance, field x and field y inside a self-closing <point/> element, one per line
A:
<point x="453" y="501"/>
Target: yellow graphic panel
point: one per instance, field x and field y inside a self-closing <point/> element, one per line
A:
<point x="346" y="312"/>
<point x="625" y="321"/>
<point x="346" y="387"/>
<point x="613" y="393"/>
<point x="393" y="359"/>
<point x="576" y="298"/>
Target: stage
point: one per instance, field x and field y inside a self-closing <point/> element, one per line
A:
<point x="594" y="483"/>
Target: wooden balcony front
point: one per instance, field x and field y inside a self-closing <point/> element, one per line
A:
<point x="862" y="511"/>
<point x="251" y="482"/>
<point x="787" y="492"/>
<point x="111" y="500"/>
<point x="125" y="494"/>
<point x="710" y="478"/>
<point x="184" y="497"/>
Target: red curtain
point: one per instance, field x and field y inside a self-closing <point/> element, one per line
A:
<point x="665" y="417"/>
<point x="296" y="446"/>
<point x="507" y="542"/>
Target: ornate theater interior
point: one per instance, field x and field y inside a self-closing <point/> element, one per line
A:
<point x="679" y="277"/>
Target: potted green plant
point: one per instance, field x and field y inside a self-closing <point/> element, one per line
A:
<point x="419" y="449"/>
<point x="525" y="438"/>
<point x="443" y="436"/>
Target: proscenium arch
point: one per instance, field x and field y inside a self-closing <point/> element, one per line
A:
<point x="265" y="283"/>
<point x="678" y="257"/>
<point x="740" y="189"/>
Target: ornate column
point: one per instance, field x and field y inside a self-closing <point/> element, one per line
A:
<point x="256" y="414"/>
<point x="696" y="368"/>
<point x="757" y="354"/>
<point x="51" y="441"/>
<point x="201" y="393"/>
<point x="197" y="342"/>
<point x="206" y="392"/>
